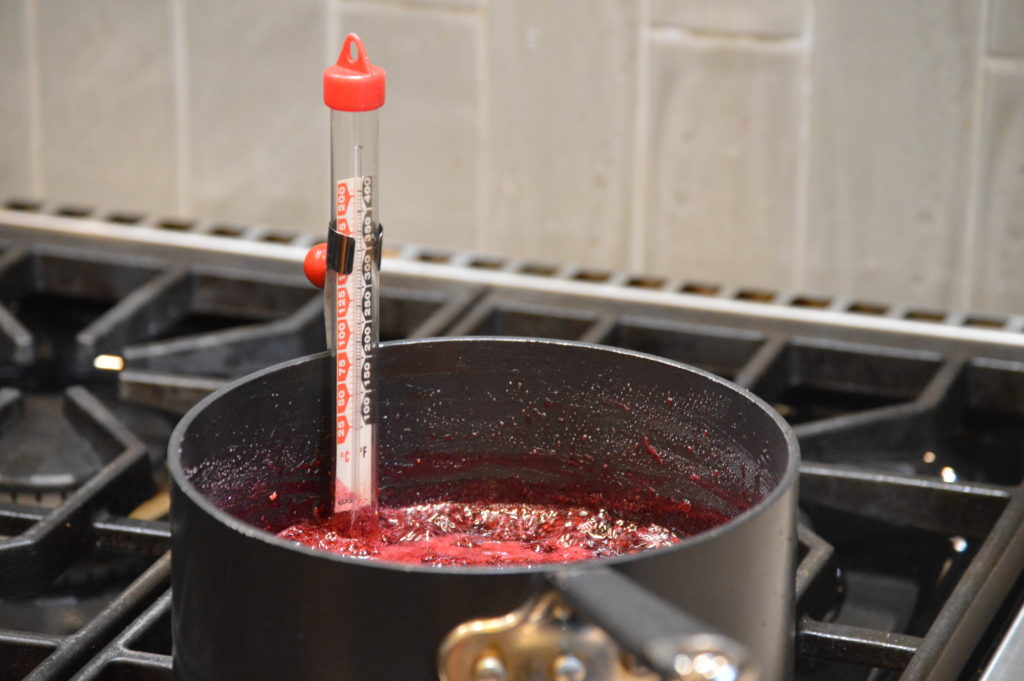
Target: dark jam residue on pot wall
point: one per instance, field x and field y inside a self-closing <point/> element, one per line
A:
<point x="481" y="534"/>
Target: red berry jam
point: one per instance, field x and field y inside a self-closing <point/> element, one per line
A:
<point x="481" y="534"/>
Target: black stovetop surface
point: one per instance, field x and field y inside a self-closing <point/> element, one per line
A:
<point x="912" y="513"/>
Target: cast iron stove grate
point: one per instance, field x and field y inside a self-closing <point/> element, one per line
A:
<point x="912" y="535"/>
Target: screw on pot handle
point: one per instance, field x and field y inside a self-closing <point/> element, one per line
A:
<point x="675" y="645"/>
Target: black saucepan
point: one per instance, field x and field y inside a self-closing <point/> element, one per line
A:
<point x="498" y="418"/>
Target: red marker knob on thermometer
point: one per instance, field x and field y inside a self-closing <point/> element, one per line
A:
<point x="354" y="91"/>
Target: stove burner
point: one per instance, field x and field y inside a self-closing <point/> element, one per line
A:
<point x="35" y="474"/>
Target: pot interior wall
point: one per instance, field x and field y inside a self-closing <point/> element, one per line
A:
<point x="502" y="420"/>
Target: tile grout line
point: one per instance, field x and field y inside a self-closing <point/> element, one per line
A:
<point x="482" y="236"/>
<point x="641" y="133"/>
<point x="803" y="160"/>
<point x="677" y="35"/>
<point x="1004" y="63"/>
<point x="35" y="104"/>
<point x="183" y="131"/>
<point x="964" y="291"/>
<point x="372" y="7"/>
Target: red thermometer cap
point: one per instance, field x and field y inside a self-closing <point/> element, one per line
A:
<point x="354" y="84"/>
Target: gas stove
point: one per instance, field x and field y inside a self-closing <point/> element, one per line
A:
<point x="112" y="324"/>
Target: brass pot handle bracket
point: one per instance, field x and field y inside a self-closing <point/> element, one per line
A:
<point x="541" y="640"/>
<point x="555" y="637"/>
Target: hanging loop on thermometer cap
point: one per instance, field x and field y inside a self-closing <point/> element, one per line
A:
<point x="354" y="84"/>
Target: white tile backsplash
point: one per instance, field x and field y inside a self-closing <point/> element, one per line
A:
<point x="106" y="87"/>
<point x="722" y="160"/>
<point x="1006" y="35"/>
<point x="15" y="150"/>
<point x="257" y="124"/>
<point x="846" y="146"/>
<point x="562" y="88"/>
<point x="998" y="282"/>
<point x="889" y="148"/>
<point x="430" y="135"/>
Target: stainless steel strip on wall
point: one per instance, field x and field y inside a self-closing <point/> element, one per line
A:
<point x="25" y="222"/>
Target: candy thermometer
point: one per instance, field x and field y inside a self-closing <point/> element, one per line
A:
<point x="354" y="91"/>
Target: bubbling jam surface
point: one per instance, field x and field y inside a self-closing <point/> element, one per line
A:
<point x="481" y="534"/>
